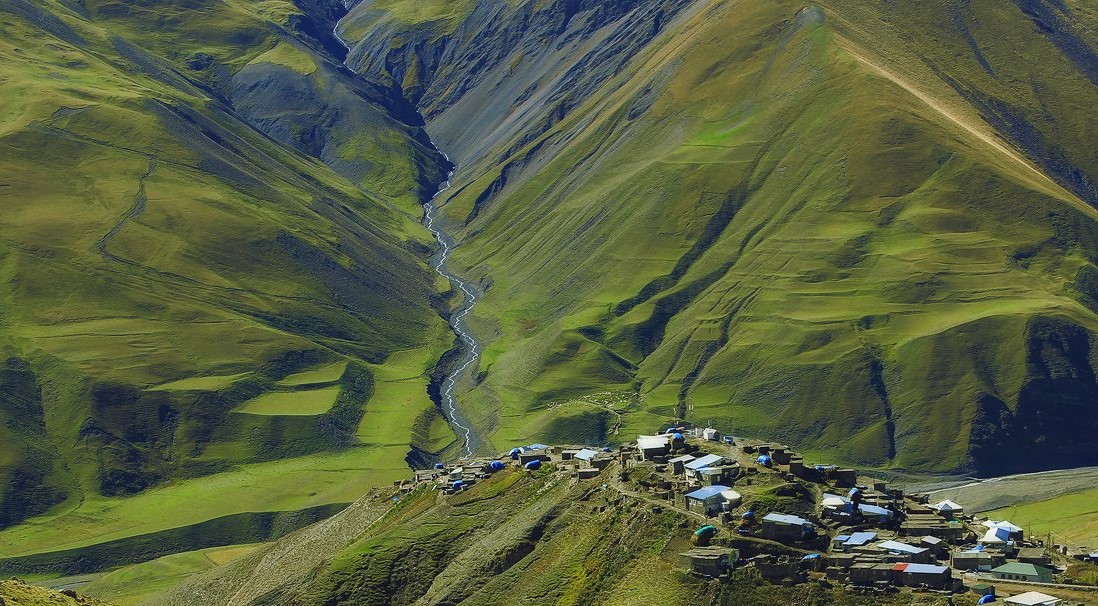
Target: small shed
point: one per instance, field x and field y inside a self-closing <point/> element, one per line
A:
<point x="867" y="573"/>
<point x="1034" y="555"/>
<point x="710" y="561"/>
<point x="732" y="499"/>
<point x="711" y="434"/>
<point x="936" y="546"/>
<point x="678" y="464"/>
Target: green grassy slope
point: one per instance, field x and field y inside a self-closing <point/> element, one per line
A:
<point x="167" y="267"/>
<point x="517" y="538"/>
<point x="827" y="223"/>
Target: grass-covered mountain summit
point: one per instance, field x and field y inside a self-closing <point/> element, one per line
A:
<point x="865" y="227"/>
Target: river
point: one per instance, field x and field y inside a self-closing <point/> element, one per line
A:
<point x="460" y="422"/>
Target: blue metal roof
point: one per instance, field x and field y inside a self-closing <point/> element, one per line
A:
<point x="706" y="493"/>
<point x="586" y="454"/>
<point x="861" y="538"/>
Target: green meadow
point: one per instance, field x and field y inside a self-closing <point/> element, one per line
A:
<point x="134" y="584"/>
<point x="301" y="402"/>
<point x="1072" y="518"/>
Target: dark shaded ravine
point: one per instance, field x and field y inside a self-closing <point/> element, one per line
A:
<point x="469" y="347"/>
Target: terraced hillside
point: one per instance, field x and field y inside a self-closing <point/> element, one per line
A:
<point x="867" y="228"/>
<point x="218" y="322"/>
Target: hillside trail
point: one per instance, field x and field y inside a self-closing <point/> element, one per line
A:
<point x="970" y="125"/>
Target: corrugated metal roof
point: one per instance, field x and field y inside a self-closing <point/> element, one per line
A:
<point x="586" y="454"/>
<point x="706" y="493"/>
<point x="874" y="510"/>
<point x="647" y="442"/>
<point x="705" y="461"/>
<point x="921" y="568"/>
<point x="861" y="538"/>
<point x="782" y="518"/>
<point x="1021" y="568"/>
<point x="901" y="547"/>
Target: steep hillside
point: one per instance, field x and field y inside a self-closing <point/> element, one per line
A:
<point x="515" y="539"/>
<point x="212" y="268"/>
<point x="867" y="228"/>
<point x="17" y="593"/>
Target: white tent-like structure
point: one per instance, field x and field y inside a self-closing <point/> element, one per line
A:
<point x="947" y="506"/>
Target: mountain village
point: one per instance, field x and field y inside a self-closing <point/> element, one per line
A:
<point x="760" y="505"/>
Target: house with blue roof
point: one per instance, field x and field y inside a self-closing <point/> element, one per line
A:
<point x="846" y="542"/>
<point x="707" y="500"/>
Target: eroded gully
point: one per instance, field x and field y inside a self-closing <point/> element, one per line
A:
<point x="467" y="346"/>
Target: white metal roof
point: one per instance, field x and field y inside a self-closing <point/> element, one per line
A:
<point x="705" y="461"/>
<point x="900" y="547"/>
<point x="648" y="442"/>
<point x="1033" y="598"/>
<point x="947" y="505"/>
<point x="586" y="454"/>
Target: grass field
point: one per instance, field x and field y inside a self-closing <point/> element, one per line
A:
<point x="1071" y="518"/>
<point x="211" y="383"/>
<point x="133" y="584"/>
<point x="303" y="402"/>
<point x="323" y="374"/>
<point x="285" y="485"/>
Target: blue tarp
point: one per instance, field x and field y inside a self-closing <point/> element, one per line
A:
<point x="765" y="460"/>
<point x="535" y="464"/>
<point x="439" y="466"/>
<point x="811" y="556"/>
<point x="515" y="452"/>
<point x="987" y="599"/>
<point x="495" y="466"/>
